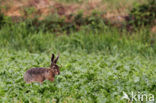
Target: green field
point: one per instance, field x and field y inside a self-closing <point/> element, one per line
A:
<point x="99" y="62"/>
<point x="96" y="66"/>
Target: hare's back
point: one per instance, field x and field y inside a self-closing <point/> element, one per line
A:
<point x="36" y="71"/>
<point x="34" y="74"/>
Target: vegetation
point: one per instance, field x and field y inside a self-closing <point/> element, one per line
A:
<point x="1" y="19"/>
<point x="98" y="62"/>
<point x="95" y="67"/>
<point x="143" y="15"/>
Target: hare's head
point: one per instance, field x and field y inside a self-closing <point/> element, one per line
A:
<point x="54" y="66"/>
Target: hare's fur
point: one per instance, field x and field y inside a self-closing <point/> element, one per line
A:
<point x="41" y="74"/>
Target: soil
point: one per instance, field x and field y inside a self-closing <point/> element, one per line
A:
<point x="42" y="8"/>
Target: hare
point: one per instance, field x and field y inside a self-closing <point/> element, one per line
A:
<point x="41" y="74"/>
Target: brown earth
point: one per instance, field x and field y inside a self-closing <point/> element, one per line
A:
<point x="44" y="8"/>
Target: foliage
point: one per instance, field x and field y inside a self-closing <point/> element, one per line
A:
<point x="23" y="37"/>
<point x="94" y="77"/>
<point x="4" y="19"/>
<point x="98" y="62"/>
<point x="63" y="24"/>
<point x="96" y="67"/>
<point x="1" y="19"/>
<point x="143" y="15"/>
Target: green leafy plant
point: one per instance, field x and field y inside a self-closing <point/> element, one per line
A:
<point x="143" y="15"/>
<point x="1" y="19"/>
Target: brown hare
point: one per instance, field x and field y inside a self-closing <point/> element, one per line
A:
<point x="41" y="74"/>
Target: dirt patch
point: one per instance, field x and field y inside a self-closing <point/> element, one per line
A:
<point x="43" y="8"/>
<point x="46" y="7"/>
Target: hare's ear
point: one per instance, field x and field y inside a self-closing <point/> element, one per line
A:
<point x="55" y="61"/>
<point x="52" y="58"/>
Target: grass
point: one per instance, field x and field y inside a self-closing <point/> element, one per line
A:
<point x="97" y="66"/>
<point x="110" y="5"/>
<point x="84" y="77"/>
<point x="94" y="77"/>
<point x="98" y="62"/>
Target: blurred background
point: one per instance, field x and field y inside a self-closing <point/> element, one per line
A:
<point x="35" y="23"/>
